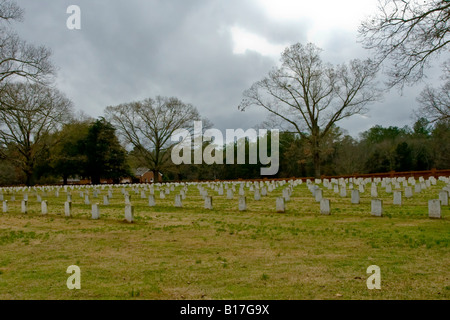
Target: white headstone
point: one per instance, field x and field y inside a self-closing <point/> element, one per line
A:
<point x="434" y="209"/>
<point x="95" y="211"/>
<point x="398" y="198"/>
<point x="24" y="206"/>
<point x="377" y="207"/>
<point x="389" y="188"/>
<point x="336" y="188"/>
<point x="151" y="200"/>
<point x="208" y="202"/>
<point x="44" y="207"/>
<point x="178" y="203"/>
<point x="280" y="204"/>
<point x="263" y="191"/>
<point x="325" y="206"/>
<point x="129" y="213"/>
<point x="374" y="191"/>
<point x="417" y="188"/>
<point x="286" y="194"/>
<point x="318" y="194"/>
<point x="257" y="194"/>
<point x="5" y="206"/>
<point x="67" y="208"/>
<point x="343" y="191"/>
<point x="355" y="196"/>
<point x="408" y="192"/>
<point x="443" y="197"/>
<point x="242" y="203"/>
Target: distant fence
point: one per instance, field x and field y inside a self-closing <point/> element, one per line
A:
<point x="391" y="174"/>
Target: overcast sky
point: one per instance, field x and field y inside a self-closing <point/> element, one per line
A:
<point x="205" y="52"/>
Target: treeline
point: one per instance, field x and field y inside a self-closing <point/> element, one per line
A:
<point x="90" y="149"/>
<point x="380" y="149"/>
<point x="80" y="149"/>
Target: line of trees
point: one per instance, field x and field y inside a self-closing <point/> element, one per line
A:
<point x="422" y="146"/>
<point x="43" y="141"/>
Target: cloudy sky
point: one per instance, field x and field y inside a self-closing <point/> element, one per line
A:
<point x="205" y="52"/>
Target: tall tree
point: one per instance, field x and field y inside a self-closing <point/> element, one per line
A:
<point x="19" y="59"/>
<point x="67" y="158"/>
<point x="148" y="126"/>
<point x="313" y="96"/>
<point x="406" y="35"/>
<point x="105" y="157"/>
<point x="435" y="103"/>
<point x="440" y="144"/>
<point x="28" y="114"/>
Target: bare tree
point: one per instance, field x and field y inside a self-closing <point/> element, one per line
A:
<point x="312" y="96"/>
<point x="28" y="114"/>
<point x="435" y="103"/>
<point x="149" y="124"/>
<point x="406" y="35"/>
<point x="19" y="59"/>
<point x="9" y="10"/>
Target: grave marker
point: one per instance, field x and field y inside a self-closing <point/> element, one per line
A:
<point x="280" y="204"/>
<point x="242" y="203"/>
<point x="208" y="203"/>
<point x="377" y="207"/>
<point x="325" y="207"/>
<point x="129" y="213"/>
<point x="67" y="208"/>
<point x="434" y="209"/>
<point x="95" y="211"/>
<point x="44" y="207"/>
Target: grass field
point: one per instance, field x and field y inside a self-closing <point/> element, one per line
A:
<point x="193" y="253"/>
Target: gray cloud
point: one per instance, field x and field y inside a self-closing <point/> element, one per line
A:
<point x="131" y="50"/>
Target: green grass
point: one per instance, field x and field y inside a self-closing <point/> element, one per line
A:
<point x="193" y="253"/>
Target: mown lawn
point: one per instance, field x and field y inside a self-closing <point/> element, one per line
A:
<point x="193" y="253"/>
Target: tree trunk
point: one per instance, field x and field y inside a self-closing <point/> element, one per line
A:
<point x="28" y="178"/>
<point x="315" y="148"/>
<point x="95" y="180"/>
<point x="316" y="160"/>
<point x="65" y="180"/>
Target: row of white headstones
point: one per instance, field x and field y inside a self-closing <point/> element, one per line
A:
<point x="259" y="189"/>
